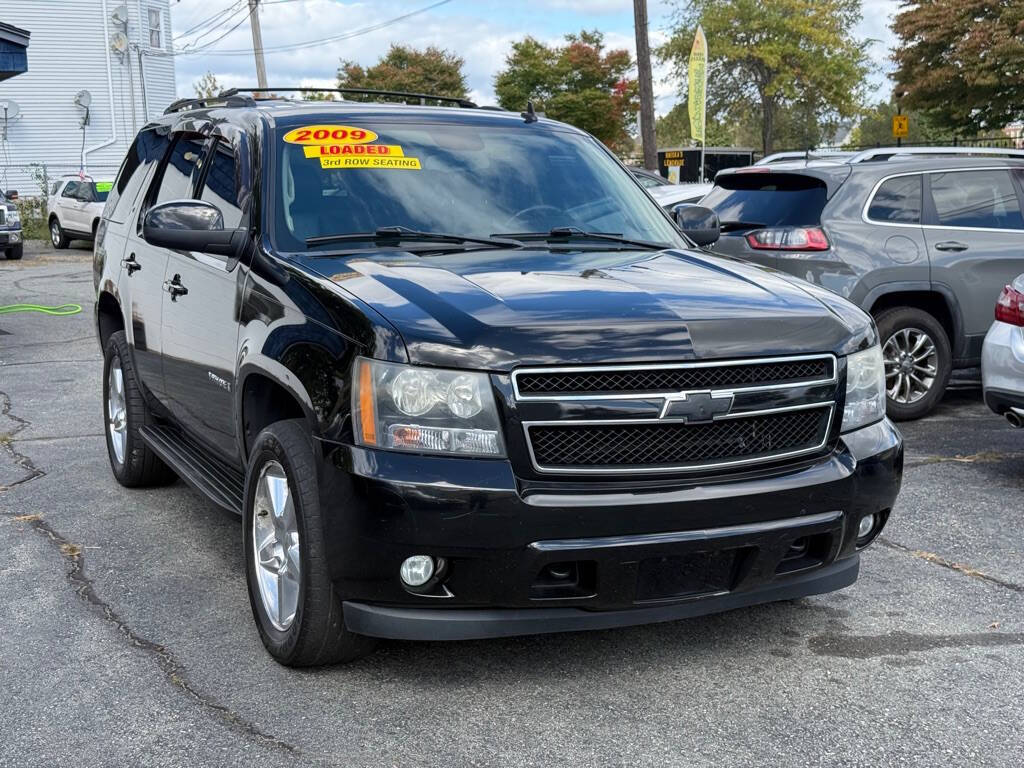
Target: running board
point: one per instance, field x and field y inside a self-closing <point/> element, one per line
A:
<point x="215" y="480"/>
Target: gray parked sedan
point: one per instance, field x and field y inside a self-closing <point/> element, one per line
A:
<point x="923" y="238"/>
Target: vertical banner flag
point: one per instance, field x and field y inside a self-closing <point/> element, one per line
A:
<point x="698" y="84"/>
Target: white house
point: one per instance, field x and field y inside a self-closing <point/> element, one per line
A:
<point x="113" y="55"/>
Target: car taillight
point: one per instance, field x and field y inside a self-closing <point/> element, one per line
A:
<point x="788" y="239"/>
<point x="1010" y="306"/>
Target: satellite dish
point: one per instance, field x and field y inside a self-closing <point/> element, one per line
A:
<point x="9" y="109"/>
<point x="119" y="43"/>
<point x="120" y="15"/>
<point x="83" y="99"/>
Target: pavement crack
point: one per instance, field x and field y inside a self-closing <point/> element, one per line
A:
<point x="902" y="643"/>
<point x="967" y="570"/>
<point x="7" y="444"/>
<point x="982" y="457"/>
<point x="169" y="665"/>
<point x="83" y="587"/>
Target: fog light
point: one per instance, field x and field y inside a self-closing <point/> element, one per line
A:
<point x="867" y="525"/>
<point x="417" y="570"/>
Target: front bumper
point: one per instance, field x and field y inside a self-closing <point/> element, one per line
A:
<point x="642" y="553"/>
<point x="1002" y="367"/>
<point x="10" y="237"/>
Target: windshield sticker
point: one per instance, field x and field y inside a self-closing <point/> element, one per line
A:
<point x="104" y="186"/>
<point x="321" y="135"/>
<point x="332" y="150"/>
<point x="371" y="161"/>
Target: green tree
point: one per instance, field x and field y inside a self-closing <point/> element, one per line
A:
<point x="781" y="61"/>
<point x="432" y="70"/>
<point x="579" y="83"/>
<point x="206" y="87"/>
<point x="962" y="61"/>
<point x="673" y="130"/>
<point x="875" y="127"/>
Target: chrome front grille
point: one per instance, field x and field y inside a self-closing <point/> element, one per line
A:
<point x="657" y="445"/>
<point x="3" y="216"/>
<point x="676" y="418"/>
<point x="616" y="381"/>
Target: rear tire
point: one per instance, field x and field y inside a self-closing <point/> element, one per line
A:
<point x="918" y="361"/>
<point x="297" y="609"/>
<point x="58" y="237"/>
<point x="124" y="413"/>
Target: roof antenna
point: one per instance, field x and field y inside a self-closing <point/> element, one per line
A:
<point x="529" y="115"/>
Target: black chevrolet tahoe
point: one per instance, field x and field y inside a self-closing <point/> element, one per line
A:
<point x="462" y="377"/>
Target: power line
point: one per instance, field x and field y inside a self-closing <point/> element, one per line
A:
<point x="222" y="12"/>
<point x="189" y="46"/>
<point x="295" y="46"/>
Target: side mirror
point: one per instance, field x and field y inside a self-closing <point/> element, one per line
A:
<point x="698" y="223"/>
<point x="191" y="225"/>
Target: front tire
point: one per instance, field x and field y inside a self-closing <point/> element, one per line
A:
<point x="297" y="610"/>
<point x="125" y="412"/>
<point x="918" y="361"/>
<point x="15" y="252"/>
<point x="58" y="238"/>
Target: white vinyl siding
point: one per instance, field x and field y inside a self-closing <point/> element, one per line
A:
<point x="71" y="55"/>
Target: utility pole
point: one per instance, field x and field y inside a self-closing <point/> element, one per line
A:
<point x="643" y="67"/>
<point x="257" y="43"/>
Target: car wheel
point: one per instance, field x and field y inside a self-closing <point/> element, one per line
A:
<point x="296" y="607"/>
<point x="57" y="236"/>
<point x="917" y="359"/>
<point x="125" y="412"/>
<point x="15" y="252"/>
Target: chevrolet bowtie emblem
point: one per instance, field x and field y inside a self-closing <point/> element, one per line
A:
<point x="696" y="407"/>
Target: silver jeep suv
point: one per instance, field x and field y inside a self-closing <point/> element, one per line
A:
<point x="922" y="238"/>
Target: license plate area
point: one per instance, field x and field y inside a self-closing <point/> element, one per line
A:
<point x="687" y="575"/>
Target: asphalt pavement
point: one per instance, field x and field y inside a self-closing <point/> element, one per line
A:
<point x="127" y="637"/>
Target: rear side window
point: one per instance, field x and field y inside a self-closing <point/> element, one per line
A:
<point x="176" y="179"/>
<point x="767" y="199"/>
<point x="221" y="185"/>
<point x="55" y="187"/>
<point x="148" y="148"/>
<point x="984" y="199"/>
<point x="897" y="200"/>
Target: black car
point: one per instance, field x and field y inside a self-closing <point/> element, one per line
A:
<point x="462" y="378"/>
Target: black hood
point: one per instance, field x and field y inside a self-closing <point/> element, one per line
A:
<point x="497" y="309"/>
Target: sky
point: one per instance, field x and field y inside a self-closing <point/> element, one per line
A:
<point x="481" y="31"/>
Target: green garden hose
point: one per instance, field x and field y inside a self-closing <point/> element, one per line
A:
<point x="61" y="311"/>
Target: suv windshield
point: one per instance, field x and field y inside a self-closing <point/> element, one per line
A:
<point x="478" y="181"/>
<point x="767" y="199"/>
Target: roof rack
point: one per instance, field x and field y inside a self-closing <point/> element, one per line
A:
<point x="403" y="95"/>
<point x="887" y="153"/>
<point x="226" y="99"/>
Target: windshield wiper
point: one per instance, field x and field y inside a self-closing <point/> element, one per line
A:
<point x="404" y="234"/>
<point x="732" y="226"/>
<point x="575" y="233"/>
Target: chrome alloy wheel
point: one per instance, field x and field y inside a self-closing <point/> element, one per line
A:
<point x="117" y="414"/>
<point x="55" y="233"/>
<point x="275" y="543"/>
<point x="911" y="365"/>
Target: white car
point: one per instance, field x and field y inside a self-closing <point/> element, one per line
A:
<point x="1002" y="356"/>
<point x="674" y="194"/>
<point x="75" y="207"/>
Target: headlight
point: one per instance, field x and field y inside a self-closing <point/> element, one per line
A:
<point x="13" y="217"/>
<point x="425" y="410"/>
<point x="865" y="389"/>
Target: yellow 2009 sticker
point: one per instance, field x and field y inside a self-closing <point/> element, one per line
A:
<point x="329" y="134"/>
<point x="343" y="146"/>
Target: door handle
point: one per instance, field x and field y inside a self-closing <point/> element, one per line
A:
<point x="131" y="265"/>
<point x="175" y="288"/>
<point x="951" y="245"/>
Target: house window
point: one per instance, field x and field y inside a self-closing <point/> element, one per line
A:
<point x="154" y="28"/>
